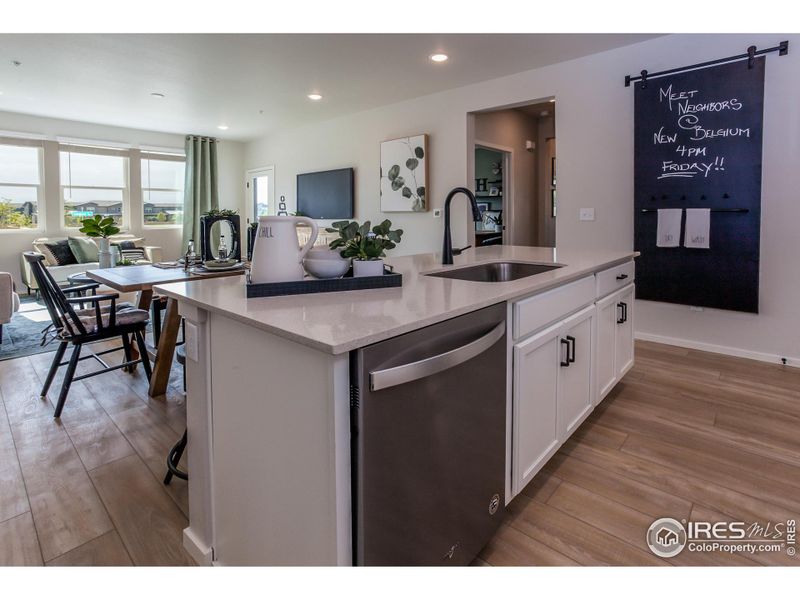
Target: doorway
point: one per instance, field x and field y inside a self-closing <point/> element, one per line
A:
<point x="492" y="170"/>
<point x="513" y="163"/>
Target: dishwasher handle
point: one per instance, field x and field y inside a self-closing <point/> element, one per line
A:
<point x="386" y="378"/>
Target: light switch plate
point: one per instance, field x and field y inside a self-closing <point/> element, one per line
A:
<point x="586" y="214"/>
<point x="192" y="350"/>
<point x="437" y="212"/>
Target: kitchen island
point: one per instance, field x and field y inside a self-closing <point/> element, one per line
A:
<point x="268" y="384"/>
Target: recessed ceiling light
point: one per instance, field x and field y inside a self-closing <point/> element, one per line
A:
<point x="315" y="97"/>
<point x="438" y="57"/>
<point x="223" y="127"/>
<point x="157" y="95"/>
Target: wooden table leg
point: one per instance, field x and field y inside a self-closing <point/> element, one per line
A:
<point x="166" y="349"/>
<point x="144" y="300"/>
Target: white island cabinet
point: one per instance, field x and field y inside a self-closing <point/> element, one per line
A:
<point x="268" y="388"/>
<point x="571" y="347"/>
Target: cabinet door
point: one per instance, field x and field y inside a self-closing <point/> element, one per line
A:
<point x="623" y="346"/>
<point x="605" y="349"/>
<point x="575" y="389"/>
<point x="535" y="433"/>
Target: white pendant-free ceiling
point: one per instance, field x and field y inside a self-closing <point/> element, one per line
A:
<point x="256" y="83"/>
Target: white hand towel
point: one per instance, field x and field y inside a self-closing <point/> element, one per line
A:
<point x="669" y="227"/>
<point x="698" y="225"/>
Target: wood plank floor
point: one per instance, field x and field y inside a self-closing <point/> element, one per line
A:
<point x="687" y="434"/>
<point x="86" y="489"/>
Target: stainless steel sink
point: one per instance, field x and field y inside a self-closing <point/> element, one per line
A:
<point x="496" y="271"/>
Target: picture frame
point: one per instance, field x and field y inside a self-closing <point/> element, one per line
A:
<point x="404" y="174"/>
<point x="494" y="191"/>
<point x="482" y="206"/>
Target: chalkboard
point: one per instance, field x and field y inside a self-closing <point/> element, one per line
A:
<point x="697" y="144"/>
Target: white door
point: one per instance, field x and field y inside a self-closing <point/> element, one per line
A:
<point x="606" y="371"/>
<point x="260" y="188"/>
<point x="624" y="341"/>
<point x="535" y="433"/>
<point x="575" y="397"/>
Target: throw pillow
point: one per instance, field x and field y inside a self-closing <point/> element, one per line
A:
<point x="84" y="249"/>
<point x="62" y="255"/>
<point x="49" y="259"/>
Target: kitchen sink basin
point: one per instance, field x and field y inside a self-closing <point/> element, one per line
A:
<point x="497" y="271"/>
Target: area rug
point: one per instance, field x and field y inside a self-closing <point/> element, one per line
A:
<point x="23" y="335"/>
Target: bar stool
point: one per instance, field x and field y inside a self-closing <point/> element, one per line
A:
<point x="176" y="452"/>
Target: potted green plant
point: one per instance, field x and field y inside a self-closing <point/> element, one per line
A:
<point x="101" y="227"/>
<point x="365" y="244"/>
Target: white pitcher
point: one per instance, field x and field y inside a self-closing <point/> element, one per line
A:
<point x="277" y="255"/>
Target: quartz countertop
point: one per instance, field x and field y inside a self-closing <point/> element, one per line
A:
<point x="338" y="322"/>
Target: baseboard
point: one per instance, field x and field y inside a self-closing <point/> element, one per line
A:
<point x="791" y="361"/>
<point x="201" y="553"/>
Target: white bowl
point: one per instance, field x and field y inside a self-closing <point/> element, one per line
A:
<point x="323" y="253"/>
<point x="324" y="268"/>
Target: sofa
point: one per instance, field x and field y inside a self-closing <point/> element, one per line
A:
<point x="147" y="254"/>
<point x="9" y="300"/>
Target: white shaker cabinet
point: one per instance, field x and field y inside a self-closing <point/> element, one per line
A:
<point x="614" y="339"/>
<point x="575" y="387"/>
<point x="535" y="416"/>
<point x="572" y="345"/>
<point x="553" y="391"/>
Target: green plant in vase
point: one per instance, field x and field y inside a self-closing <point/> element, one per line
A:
<point x="365" y="244"/>
<point x="100" y="227"/>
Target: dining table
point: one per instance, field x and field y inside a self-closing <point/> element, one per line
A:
<point x="141" y="279"/>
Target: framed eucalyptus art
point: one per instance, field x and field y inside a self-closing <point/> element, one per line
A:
<point x="404" y="172"/>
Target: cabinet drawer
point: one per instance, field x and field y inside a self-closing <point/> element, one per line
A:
<point x="534" y="313"/>
<point x="615" y="278"/>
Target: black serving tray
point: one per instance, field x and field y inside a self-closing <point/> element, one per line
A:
<point x="347" y="283"/>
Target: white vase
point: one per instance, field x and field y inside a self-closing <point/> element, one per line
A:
<point x="367" y="268"/>
<point x="104" y="255"/>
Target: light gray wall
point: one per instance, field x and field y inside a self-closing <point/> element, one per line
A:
<point x="594" y="121"/>
<point x="12" y="243"/>
<point x="546" y="222"/>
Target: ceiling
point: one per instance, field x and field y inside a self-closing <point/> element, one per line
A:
<point x="537" y="111"/>
<point x="256" y="83"/>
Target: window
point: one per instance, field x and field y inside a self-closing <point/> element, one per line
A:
<point x="94" y="181"/>
<point x="20" y="185"/>
<point x="162" y="189"/>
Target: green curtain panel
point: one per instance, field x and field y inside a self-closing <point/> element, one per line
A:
<point x="201" y="192"/>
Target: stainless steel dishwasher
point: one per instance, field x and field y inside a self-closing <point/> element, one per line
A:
<point x="428" y="438"/>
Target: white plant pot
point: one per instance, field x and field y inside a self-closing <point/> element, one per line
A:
<point x="367" y="268"/>
<point x="104" y="255"/>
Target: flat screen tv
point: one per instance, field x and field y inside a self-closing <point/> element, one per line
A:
<point x="326" y="194"/>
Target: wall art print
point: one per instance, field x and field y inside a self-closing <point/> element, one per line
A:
<point x="404" y="172"/>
